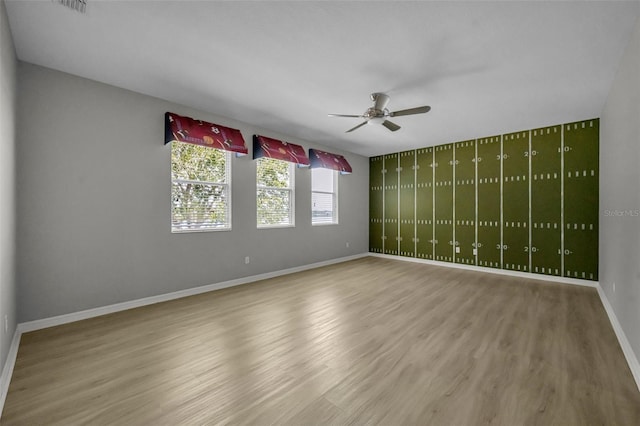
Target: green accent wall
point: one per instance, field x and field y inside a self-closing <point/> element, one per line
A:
<point x="515" y="201"/>
<point x="525" y="201"/>
<point x="546" y="190"/>
<point x="407" y="176"/>
<point x="424" y="203"/>
<point x="390" y="230"/>
<point x="443" y="212"/>
<point x="465" y="202"/>
<point x="376" y="204"/>
<point x="581" y="199"/>
<point x="488" y="161"/>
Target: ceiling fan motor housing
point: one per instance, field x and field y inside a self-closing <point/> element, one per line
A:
<point x="375" y="113"/>
<point x="378" y="113"/>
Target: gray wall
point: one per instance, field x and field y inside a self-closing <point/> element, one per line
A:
<point x="94" y="194"/>
<point x="7" y="184"/>
<point x="620" y="194"/>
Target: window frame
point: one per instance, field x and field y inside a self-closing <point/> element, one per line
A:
<point x="334" y="194"/>
<point x="291" y="189"/>
<point x="227" y="186"/>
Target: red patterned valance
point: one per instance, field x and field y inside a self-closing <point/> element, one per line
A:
<point x="326" y="160"/>
<point x="198" y="132"/>
<point x="274" y="148"/>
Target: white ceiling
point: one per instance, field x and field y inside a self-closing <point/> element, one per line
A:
<point x="484" y="67"/>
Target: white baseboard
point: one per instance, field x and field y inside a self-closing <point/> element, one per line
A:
<point x="529" y="275"/>
<point x="104" y="310"/>
<point x="7" y="370"/>
<point x="631" y="357"/>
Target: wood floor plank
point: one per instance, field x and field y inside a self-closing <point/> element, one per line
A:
<point x="371" y="341"/>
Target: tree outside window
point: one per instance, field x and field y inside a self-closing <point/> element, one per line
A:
<point x="200" y="188"/>
<point x="275" y="193"/>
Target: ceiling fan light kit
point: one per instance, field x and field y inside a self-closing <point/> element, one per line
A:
<point x="378" y="113"/>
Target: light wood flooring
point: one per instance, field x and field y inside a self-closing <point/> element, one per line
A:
<point x="371" y="341"/>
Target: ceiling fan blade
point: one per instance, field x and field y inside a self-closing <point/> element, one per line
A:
<point x="391" y="126"/>
<point x="344" y="115"/>
<point x="358" y="126"/>
<point x="381" y="100"/>
<point x="410" y="111"/>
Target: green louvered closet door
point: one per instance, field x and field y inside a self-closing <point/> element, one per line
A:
<point x="546" y="201"/>
<point x="581" y="199"/>
<point x="391" y="204"/>
<point x="424" y="203"/>
<point x="465" y="202"/>
<point x="515" y="201"/>
<point x="443" y="187"/>
<point x="376" y="203"/>
<point x="489" y="237"/>
<point x="407" y="203"/>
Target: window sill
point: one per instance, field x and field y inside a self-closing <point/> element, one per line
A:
<point x="275" y="226"/>
<point x="189" y="231"/>
<point x="325" y="224"/>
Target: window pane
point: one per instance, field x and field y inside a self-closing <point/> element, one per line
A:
<point x="274" y="180"/>
<point x="203" y="203"/>
<point x="199" y="206"/>
<point x="274" y="207"/>
<point x="322" y="180"/>
<point x="194" y="162"/>
<point x="324" y="187"/>
<point x="323" y="208"/>
<point x="273" y="173"/>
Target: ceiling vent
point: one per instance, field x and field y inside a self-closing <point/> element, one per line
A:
<point x="78" y="5"/>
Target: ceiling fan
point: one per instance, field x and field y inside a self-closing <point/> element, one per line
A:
<point x="378" y="113"/>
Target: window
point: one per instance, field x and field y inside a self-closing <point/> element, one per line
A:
<point x="324" y="196"/>
<point x="200" y="188"/>
<point x="274" y="180"/>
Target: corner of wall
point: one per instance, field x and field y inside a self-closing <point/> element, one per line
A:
<point x="620" y="202"/>
<point x="8" y="66"/>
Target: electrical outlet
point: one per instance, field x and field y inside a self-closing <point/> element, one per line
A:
<point x="6" y="324"/>
<point x="614" y="287"/>
<point x="246" y="260"/>
<point x="347" y="244"/>
<point x="457" y="249"/>
<point x="475" y="252"/>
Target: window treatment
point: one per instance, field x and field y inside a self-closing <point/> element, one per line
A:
<point x="327" y="160"/>
<point x="198" y="132"/>
<point x="279" y="150"/>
